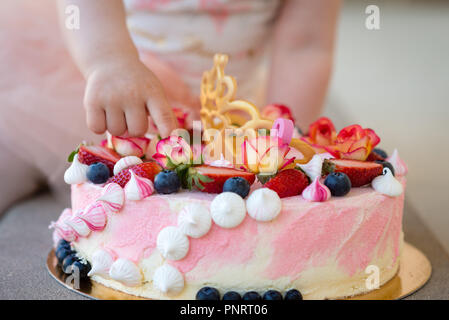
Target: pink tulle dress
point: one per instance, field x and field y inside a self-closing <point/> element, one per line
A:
<point x="41" y="91"/>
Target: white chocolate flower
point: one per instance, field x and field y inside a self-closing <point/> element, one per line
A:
<point x="263" y="204"/>
<point x="228" y="210"/>
<point x="194" y="220"/>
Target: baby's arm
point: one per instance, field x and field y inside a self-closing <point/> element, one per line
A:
<point x="120" y="90"/>
<point x="302" y="57"/>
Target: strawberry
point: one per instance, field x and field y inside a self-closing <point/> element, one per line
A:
<point x="288" y="183"/>
<point x="359" y="172"/>
<point x="146" y="170"/>
<point x="92" y="154"/>
<point x="373" y="156"/>
<point x="211" y="179"/>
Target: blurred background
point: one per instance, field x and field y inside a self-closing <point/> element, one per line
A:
<point x="396" y="81"/>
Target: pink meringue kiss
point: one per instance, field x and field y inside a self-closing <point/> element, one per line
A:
<point x="283" y="128"/>
<point x="62" y="230"/>
<point x="316" y="192"/>
<point x="78" y="225"/>
<point x="94" y="215"/>
<point x="112" y="197"/>
<point x="138" y="188"/>
<point x="400" y="168"/>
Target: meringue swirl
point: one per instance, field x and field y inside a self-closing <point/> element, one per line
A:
<point x="313" y="167"/>
<point x="76" y="173"/>
<point x="126" y="162"/>
<point x="387" y="184"/>
<point x="112" y="197"/>
<point x="168" y="279"/>
<point x="316" y="191"/>
<point x="138" y="188"/>
<point x="400" y="168"/>
<point x="263" y="204"/>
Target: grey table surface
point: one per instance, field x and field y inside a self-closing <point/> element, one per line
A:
<point x="25" y="242"/>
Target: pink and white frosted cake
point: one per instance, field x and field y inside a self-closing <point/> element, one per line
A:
<point x="174" y="225"/>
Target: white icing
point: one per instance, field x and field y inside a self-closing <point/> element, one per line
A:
<point x="101" y="263"/>
<point x="263" y="204"/>
<point x="172" y="243"/>
<point x="78" y="225"/>
<point x="112" y="197"/>
<point x="228" y="210"/>
<point x="168" y="280"/>
<point x="194" y="220"/>
<point x="76" y="173"/>
<point x="387" y="184"/>
<point x="222" y="162"/>
<point x="126" y="272"/>
<point x="313" y="167"/>
<point x="138" y="188"/>
<point x="126" y="162"/>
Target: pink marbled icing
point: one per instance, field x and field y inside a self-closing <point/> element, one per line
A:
<point x="351" y="230"/>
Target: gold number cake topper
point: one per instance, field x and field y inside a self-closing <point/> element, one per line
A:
<point x="226" y="120"/>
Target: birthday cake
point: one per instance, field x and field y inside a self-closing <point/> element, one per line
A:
<point x="245" y="207"/>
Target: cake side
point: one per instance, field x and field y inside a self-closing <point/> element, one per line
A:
<point x="320" y="248"/>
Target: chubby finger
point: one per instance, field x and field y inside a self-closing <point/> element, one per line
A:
<point x="96" y="120"/>
<point x="162" y="114"/>
<point x="136" y="120"/>
<point x="115" y="121"/>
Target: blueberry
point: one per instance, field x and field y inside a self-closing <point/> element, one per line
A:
<point x="338" y="183"/>
<point x="252" y="296"/>
<point x="167" y="182"/>
<point x="232" y="295"/>
<point x="380" y="152"/>
<point x="83" y="268"/>
<point x="68" y="262"/>
<point x="98" y="173"/>
<point x="293" y="294"/>
<point x="62" y="252"/>
<point x="63" y="244"/>
<point x="272" y="295"/>
<point x="386" y="164"/>
<point x="208" y="293"/>
<point x="237" y="185"/>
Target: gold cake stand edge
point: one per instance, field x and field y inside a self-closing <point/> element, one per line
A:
<point x="414" y="272"/>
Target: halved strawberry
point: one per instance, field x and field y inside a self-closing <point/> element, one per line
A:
<point x="359" y="172"/>
<point x="212" y="178"/>
<point x="92" y="154"/>
<point x="146" y="170"/>
<point x="288" y="183"/>
<point x="373" y="156"/>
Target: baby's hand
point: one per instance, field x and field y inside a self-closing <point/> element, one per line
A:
<point x="120" y="93"/>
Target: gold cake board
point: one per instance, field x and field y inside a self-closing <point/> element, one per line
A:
<point x="414" y="271"/>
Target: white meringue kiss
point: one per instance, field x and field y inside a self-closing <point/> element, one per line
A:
<point x="228" y="210"/>
<point x="112" y="197"/>
<point x="194" y="220"/>
<point x="78" y="225"/>
<point x="172" y="243"/>
<point x="387" y="184"/>
<point x="316" y="191"/>
<point x="313" y="167"/>
<point x="263" y="204"/>
<point x="222" y="162"/>
<point x="126" y="272"/>
<point x="138" y="188"/>
<point x="76" y="173"/>
<point x="168" y="280"/>
<point x="400" y="168"/>
<point x="101" y="263"/>
<point x="94" y="215"/>
<point x="126" y="162"/>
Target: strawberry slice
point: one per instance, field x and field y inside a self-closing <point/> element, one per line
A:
<point x="288" y="183"/>
<point x="92" y="154"/>
<point x="373" y="156"/>
<point x="146" y="170"/>
<point x="216" y="177"/>
<point x="359" y="172"/>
